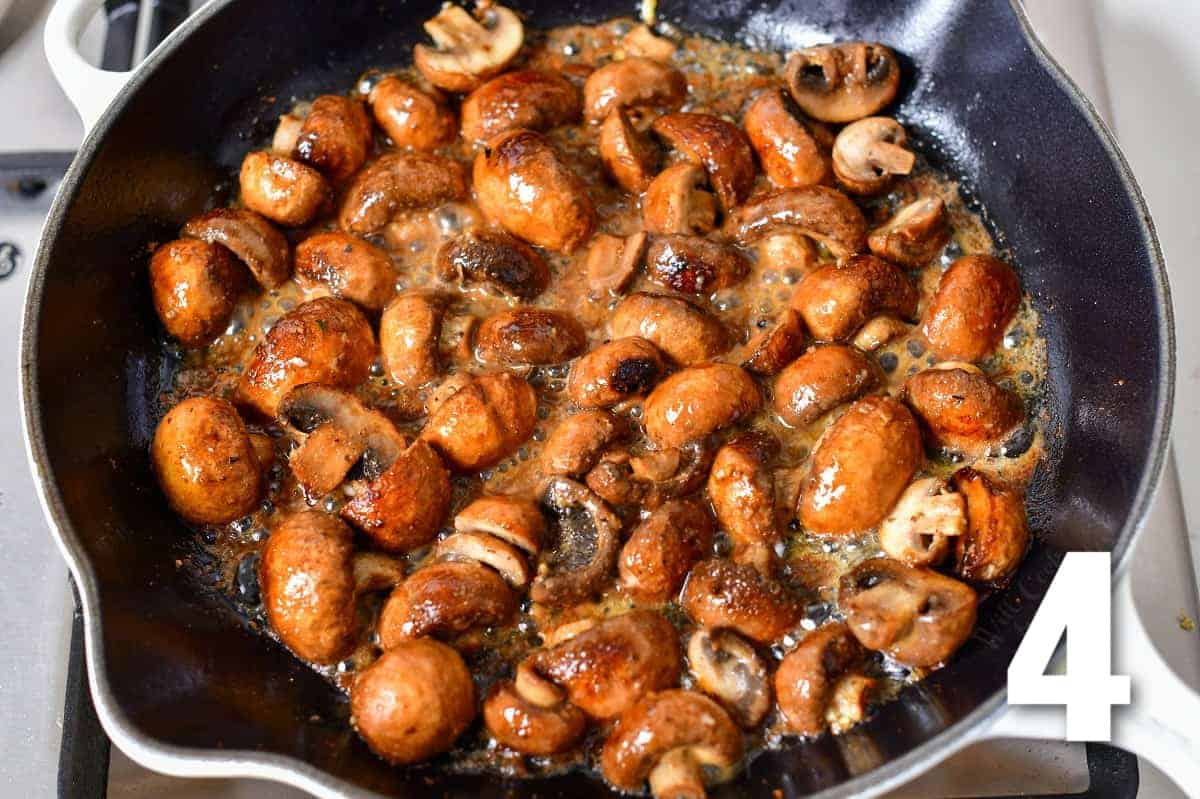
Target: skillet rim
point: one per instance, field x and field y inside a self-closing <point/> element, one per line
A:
<point x="197" y="762"/>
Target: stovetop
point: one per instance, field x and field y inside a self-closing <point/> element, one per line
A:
<point x="1112" y="49"/>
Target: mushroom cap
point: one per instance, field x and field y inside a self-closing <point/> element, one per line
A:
<point x="807" y="676"/>
<point x="997" y="533"/>
<point x="697" y="401"/>
<point x="612" y="262"/>
<point x="411" y="117"/>
<point x="741" y="487"/>
<point x="588" y="536"/>
<point x="524" y="98"/>
<point x="576" y="443"/>
<point x="195" y="286"/>
<point x="527" y="727"/>
<point x="775" y="346"/>
<point x="205" y="461"/>
<point x="677" y="202"/>
<point x="402" y="509"/>
<point x="843" y="82"/>
<point x="790" y="149"/>
<point x="963" y="410"/>
<point x="720" y="593"/>
<point x="446" y="600"/>
<point x="721" y="147"/>
<point x="727" y="668"/>
<point x="634" y="83"/>
<point x="838" y="299"/>
<point x="399" y="182"/>
<point x="628" y="154"/>
<point x="504" y="558"/>
<point x="468" y="50"/>
<point x="335" y="136"/>
<point x="976" y="299"/>
<point x="660" y="551"/>
<point x="867" y="153"/>
<point x="529" y="337"/>
<point x="282" y="189"/>
<point x="496" y="259"/>
<point x="250" y="237"/>
<point x="615" y="371"/>
<point x="914" y="235"/>
<point x="682" y="330"/>
<point x="409" y="331"/>
<point x="514" y="520"/>
<point x="819" y="212"/>
<point x="484" y="421"/>
<point x="347" y="267"/>
<point x="820" y="380"/>
<point x="413" y="702"/>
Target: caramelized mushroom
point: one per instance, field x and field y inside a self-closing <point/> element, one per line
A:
<point x="250" y="237"/>
<point x="395" y="183"/>
<point x="651" y="478"/>
<point x="879" y="331"/>
<point x="403" y="507"/>
<point x="528" y="337"/>
<point x="775" y="346"/>
<point x="530" y="715"/>
<point x="581" y="561"/>
<point x="496" y="260"/>
<point x="205" y="461"/>
<point x="808" y="676"/>
<point x="618" y="370"/>
<point x="676" y="202"/>
<point x="963" y="410"/>
<point x="722" y="594"/>
<point x="483" y="421"/>
<point x="793" y="152"/>
<point x="741" y="488"/>
<point x="628" y="155"/>
<point x="347" y="267"/>
<point x="919" y="529"/>
<point x="976" y="299"/>
<point x="662" y="549"/>
<point x="448" y="599"/>
<point x="281" y="189"/>
<point x="408" y="337"/>
<point x="786" y="250"/>
<point x="468" y="50"/>
<point x="411" y="117"/>
<point x="914" y="235"/>
<point x="683" y="331"/>
<point x="726" y="667"/>
<point x="837" y="300"/>
<point x="524" y="98"/>
<point x="522" y="183"/>
<point x="694" y="265"/>
<point x="820" y="380"/>
<point x="717" y="145"/>
<point x="997" y="534"/>
<point x="575" y="445"/>
<point x="195" y="286"/>
<point x="612" y="262"/>
<point x="513" y="520"/>
<point x="843" y="82"/>
<point x="869" y="152"/>
<point x="916" y="616"/>
<point x="818" y="212"/>
<point x="697" y="401"/>
<point x="634" y="83"/>
<point x="335" y="136"/>
<point x="500" y="556"/>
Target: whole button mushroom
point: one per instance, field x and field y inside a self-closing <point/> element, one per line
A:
<point x="635" y="83"/>
<point x="869" y="152"/>
<point x="575" y="445"/>
<point x="741" y="487"/>
<point x="616" y="371"/>
<point x="964" y="411"/>
<point x="529" y="337"/>
<point x="282" y="189"/>
<point x="860" y="467"/>
<point x="522" y="183"/>
<point x="195" y="286"/>
<point x="697" y="401"/>
<point x="205" y="461"/>
<point x="411" y="117"/>
<point x="682" y="330"/>
<point x="449" y="599"/>
<point x="809" y="677"/>
<point x="694" y="265"/>
<point x="311" y="581"/>
<point x="793" y="151"/>
<point x="523" y="98"/>
<point x="717" y="145"/>
<point x="843" y="82"/>
<point x="326" y="340"/>
<point x="396" y="183"/>
<point x="918" y="617"/>
<point x="468" y="50"/>
<point x="531" y="715"/>
<point x="413" y="702"/>
<point x="721" y="594"/>
<point x="670" y="739"/>
<point x="914" y="235"/>
<point x="817" y="212"/>
<point x="628" y="154"/>
<point x="927" y="519"/>
<point x="483" y="422"/>
<point x="775" y="346"/>
<point x="335" y="136"/>
<point x="586" y="537"/>
<point x="496" y="260"/>
<point x="409" y="331"/>
<point x="662" y="549"/>
<point x="976" y="299"/>
<point x="403" y="507"/>
<point x="726" y="667"/>
<point x="997" y="534"/>
<point x="820" y="380"/>
<point x="837" y="300"/>
<point x="250" y="237"/>
<point x="346" y="267"/>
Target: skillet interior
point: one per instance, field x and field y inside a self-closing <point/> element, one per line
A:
<point x="176" y="661"/>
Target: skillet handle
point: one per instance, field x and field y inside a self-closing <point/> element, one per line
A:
<point x="89" y="88"/>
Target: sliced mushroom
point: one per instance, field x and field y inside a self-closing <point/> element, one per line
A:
<point x="335" y="136"/>
<point x="694" y="265"/>
<point x="976" y="299"/>
<point x="819" y="212"/>
<point x="721" y="594"/>
<point x="347" y="267"/>
<point x="494" y="259"/>
<point x="528" y="337"/>
<point x="281" y="189"/>
<point x="997" y="534"/>
<point x="531" y="715"/>
<point x="916" y="616"/>
<point x="879" y="331"/>
<point x="793" y="151"/>
<point x="741" y="488"/>
<point x="775" y="346"/>
<point x="513" y="520"/>
<point x="843" y="82"/>
<point x="611" y="665"/>
<point x="662" y="549"/>
<point x="634" y="83"/>
<point x="837" y="300"/>
<point x="963" y="410"/>
<point x="618" y="370"/>
<point x="468" y="50"/>
<point x="409" y="331"/>
<point x="727" y="668"/>
<point x="717" y="145"/>
<point x="927" y="518"/>
<point x="869" y="152"/>
<point x="612" y="262"/>
<point x="683" y="331"/>
<point x="697" y="401"/>
<point x="522" y="183"/>
<point x="671" y="739"/>
<point x="449" y="600"/>
<point x="575" y="445"/>
<point x="311" y="581"/>
<point x="808" y="676"/>
<point x="195" y="286"/>
<point x="250" y="237"/>
<point x="820" y="380"/>
<point x="588" y="536"/>
<point x="403" y="508"/>
<point x="651" y="478"/>
<point x="398" y="182"/>
<point x="914" y="235"/>
<point x="411" y="117"/>
<point x="676" y="202"/>
<point x="523" y="98"/>
<point x="205" y="462"/>
<point x="484" y="421"/>
<point x="787" y="250"/>
<point x="502" y="557"/>
<point x="628" y="154"/>
<point x="413" y="702"/>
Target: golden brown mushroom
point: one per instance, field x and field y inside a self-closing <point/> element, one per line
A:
<point x="411" y="117"/>
<point x="717" y="145"/>
<point x="574" y="446"/>
<point x="449" y="600"/>
<point x="529" y="337"/>
<point x="468" y="50"/>
<point x="395" y="183"/>
<point x="727" y="668"/>
<point x="837" y="300"/>
<point x="925" y="522"/>
<point x="650" y="478"/>
<point x="483" y="421"/>
<point x="409" y="331"/>
<point x="722" y="594"/>
<point x="818" y="212"/>
<point x="775" y="346"/>
<point x="523" y="98"/>
<point x="628" y="154"/>
<point x="612" y="262"/>
<point x="618" y="370"/>
<point x="404" y="506"/>
<point x="869" y="152"/>
<point x="662" y="549"/>
<point x="531" y="715"/>
<point x="682" y="330"/>
<point x="820" y="380"/>
<point x="997" y="534"/>
<point x="493" y="259"/>
<point x="346" y="267"/>
<point x="793" y="151"/>
<point x="962" y="409"/>
<point x="250" y="237"/>
<point x="281" y="189"/>
<point x="914" y="235"/>
<point x="511" y="519"/>
<point x="581" y="560"/>
<point x="335" y="136"/>
<point x="806" y="684"/>
<point x="677" y="202"/>
<point x="195" y="286"/>
<point x="843" y="82"/>
<point x="976" y="299"/>
<point x="697" y="401"/>
<point x="635" y="83"/>
<point x="741" y="488"/>
<point x="694" y="265"/>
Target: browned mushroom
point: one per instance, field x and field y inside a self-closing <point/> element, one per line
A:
<point x="628" y="154"/>
<point x="413" y="702"/>
<point x="641" y="41"/>
<point x="496" y="260"/>
<point x="588" y="535"/>
<point x="513" y="520"/>
<point x="528" y="337"/>
<point x="524" y="98"/>
<point x="195" y="286"/>
<point x="677" y="201"/>
<point x="650" y="478"/>
<point x="818" y="212"/>
<point x="399" y="182"/>
<point x="522" y="183"/>
<point x="618" y="370"/>
<point x="808" y="677"/>
<point x="879" y="331"/>
<point x="450" y="600"/>
<point x="869" y="152"/>
<point x="484" y="421"/>
<point x="409" y="331"/>
<point x="674" y="740"/>
<point x="860" y="467"/>
<point x="694" y="265"/>
<point x="411" y="117"/>
<point x="250" y="237"/>
<point x="697" y="401"/>
<point x="726" y="667"/>
<point x="787" y="250"/>
<point x="775" y="346"/>
<point x="205" y="461"/>
<point x="793" y="151"/>
<point x="335" y="136"/>
<point x="635" y="83"/>
<point x="837" y="300"/>
<point x="346" y="267"/>
<point x="683" y="331"/>
<point x="820" y="380"/>
<point x="326" y="340"/>
<point x="914" y="235"/>
<point x="575" y="445"/>
<point x="720" y="594"/>
<point x="963" y="410"/>
<point x="997" y="534"/>
<point x="916" y="616"/>
<point x="976" y="299"/>
<point x="843" y="82"/>
<point x="717" y="145"/>
<point x="662" y="549"/>
<point x="927" y="518"/>
<point x="612" y="262"/>
<point x="287" y="133"/>
<point x="404" y="506"/>
<point x="281" y="189"/>
<point x="741" y="487"/>
<point x="311" y="580"/>
<point x="531" y="715"/>
<point x="468" y="50"/>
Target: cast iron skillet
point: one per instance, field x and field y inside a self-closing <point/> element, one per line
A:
<point x="176" y="673"/>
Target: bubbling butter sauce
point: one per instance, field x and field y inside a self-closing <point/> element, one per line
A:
<point x="721" y="78"/>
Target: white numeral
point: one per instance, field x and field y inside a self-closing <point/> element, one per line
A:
<point x="1079" y="602"/>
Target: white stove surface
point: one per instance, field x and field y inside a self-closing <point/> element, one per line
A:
<point x="1137" y="62"/>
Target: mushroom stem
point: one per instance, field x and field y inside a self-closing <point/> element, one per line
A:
<point x="375" y="572"/>
<point x="891" y="158"/>
<point x="536" y="689"/>
<point x="677" y="776"/>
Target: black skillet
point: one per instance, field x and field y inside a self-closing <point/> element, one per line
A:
<point x="179" y="680"/>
